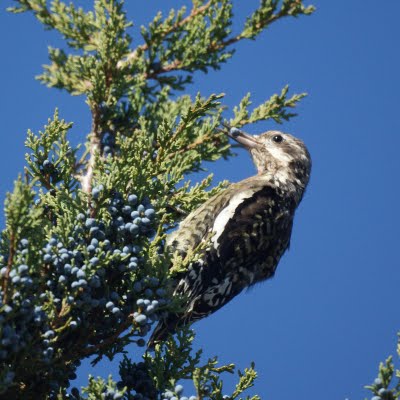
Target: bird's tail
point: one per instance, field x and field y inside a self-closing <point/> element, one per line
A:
<point x="163" y="329"/>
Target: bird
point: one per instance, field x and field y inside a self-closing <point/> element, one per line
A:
<point x="242" y="231"/>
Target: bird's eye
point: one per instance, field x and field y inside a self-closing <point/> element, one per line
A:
<point x="277" y="138"/>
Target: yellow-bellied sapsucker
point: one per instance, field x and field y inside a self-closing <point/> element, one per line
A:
<point x="248" y="227"/>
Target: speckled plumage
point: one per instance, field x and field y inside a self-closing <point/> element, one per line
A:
<point x="248" y="228"/>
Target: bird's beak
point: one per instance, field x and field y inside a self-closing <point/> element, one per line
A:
<point x="246" y="140"/>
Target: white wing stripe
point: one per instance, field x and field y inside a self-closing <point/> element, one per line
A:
<point x="226" y="214"/>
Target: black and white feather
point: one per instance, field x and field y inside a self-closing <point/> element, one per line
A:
<point x="248" y="226"/>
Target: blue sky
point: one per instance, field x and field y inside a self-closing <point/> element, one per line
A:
<point x="321" y="326"/>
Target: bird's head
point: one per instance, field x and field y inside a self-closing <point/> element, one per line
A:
<point x="277" y="153"/>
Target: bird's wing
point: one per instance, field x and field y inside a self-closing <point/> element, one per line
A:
<point x="215" y="212"/>
<point x="257" y="231"/>
<point x="249" y="236"/>
<point x="197" y="226"/>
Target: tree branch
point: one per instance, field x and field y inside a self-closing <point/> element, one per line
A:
<point x="212" y="48"/>
<point x="94" y="149"/>
<point x="10" y="260"/>
<point x="144" y="47"/>
<point x="88" y="351"/>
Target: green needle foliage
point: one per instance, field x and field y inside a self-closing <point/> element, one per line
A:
<point x="83" y="269"/>
<point x="387" y="384"/>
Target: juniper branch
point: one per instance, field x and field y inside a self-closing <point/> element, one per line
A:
<point x="94" y="150"/>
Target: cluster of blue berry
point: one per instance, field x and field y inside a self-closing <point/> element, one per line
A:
<point x="383" y="393"/>
<point x="108" y="394"/>
<point x="111" y="394"/>
<point x="108" y="143"/>
<point x="77" y="270"/>
<point x="48" y="169"/>
<point x="135" y="377"/>
<point x="22" y="319"/>
<point x="92" y="280"/>
<point x="176" y="394"/>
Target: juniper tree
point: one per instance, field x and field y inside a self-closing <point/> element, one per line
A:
<point x="84" y="272"/>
